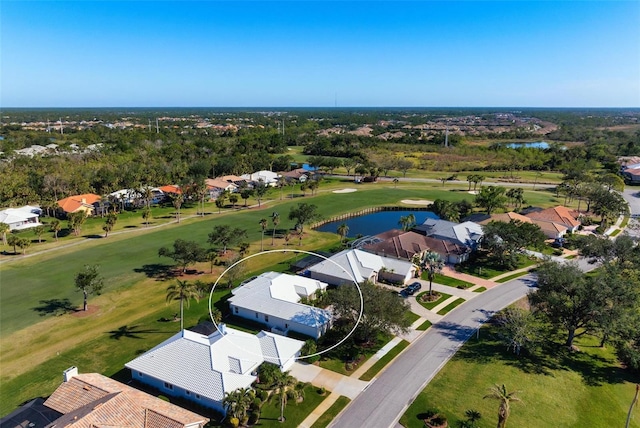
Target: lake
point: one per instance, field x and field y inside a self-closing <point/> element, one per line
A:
<point x="374" y="223"/>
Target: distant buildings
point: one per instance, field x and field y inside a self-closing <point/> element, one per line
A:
<point x="21" y="218"/>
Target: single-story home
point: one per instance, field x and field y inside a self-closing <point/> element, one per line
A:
<point x="406" y="244"/>
<point x="632" y="174"/>
<point x="467" y="233"/>
<point x="269" y="178"/>
<point x="298" y="175"/>
<point x="551" y="229"/>
<point x="345" y="266"/>
<point x="273" y="299"/>
<point x="217" y="186"/>
<point x="561" y="215"/>
<point x="21" y="218"/>
<point x="86" y="202"/>
<point x="94" y="400"/>
<point x="203" y="368"/>
<point x="171" y="189"/>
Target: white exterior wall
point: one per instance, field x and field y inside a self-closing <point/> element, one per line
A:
<point x="177" y="391"/>
<point x="275" y="322"/>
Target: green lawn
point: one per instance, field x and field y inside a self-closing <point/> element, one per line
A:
<point x="485" y="269"/>
<point x="294" y="413"/>
<point x="451" y="306"/>
<point x="510" y="277"/>
<point x="338" y="365"/>
<point x="411" y="317"/>
<point x="382" y="362"/>
<point x="431" y="305"/>
<point x="615" y="233"/>
<point x="562" y="389"/>
<point x="425" y="325"/>
<point x="447" y="280"/>
<point x="333" y="411"/>
<point x="480" y="290"/>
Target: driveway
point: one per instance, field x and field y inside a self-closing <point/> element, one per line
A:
<point x="388" y="396"/>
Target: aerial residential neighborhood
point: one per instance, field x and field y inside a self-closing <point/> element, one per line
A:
<point x="320" y="214"/>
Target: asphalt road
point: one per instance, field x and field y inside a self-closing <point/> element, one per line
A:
<point x="386" y="399"/>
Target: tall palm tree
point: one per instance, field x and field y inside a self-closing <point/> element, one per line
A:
<point x="263" y="225"/>
<point x="499" y="392"/>
<point x="407" y="222"/>
<point x="182" y="290"/>
<point x="177" y="199"/>
<point x="238" y="402"/>
<point x="283" y="382"/>
<point x="55" y="228"/>
<point x="432" y="264"/>
<point x="275" y="219"/>
<point x="343" y="230"/>
<point x="4" y="228"/>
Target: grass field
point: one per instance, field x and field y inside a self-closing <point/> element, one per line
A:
<point x="39" y="338"/>
<point x="425" y="325"/>
<point x="451" y="306"/>
<point x="294" y="413"/>
<point x="431" y="305"/>
<point x="333" y="411"/>
<point x="576" y="390"/>
<point x="382" y="362"/>
<point x="510" y="277"/>
<point x="447" y="280"/>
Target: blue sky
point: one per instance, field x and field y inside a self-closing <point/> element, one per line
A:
<point x="312" y="54"/>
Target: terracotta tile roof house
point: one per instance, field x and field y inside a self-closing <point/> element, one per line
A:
<point x="203" y="368"/>
<point x="551" y="229"/>
<point x="561" y="215"/>
<point x="505" y="217"/>
<point x="217" y="186"/>
<point x="91" y="400"/>
<point x="404" y="245"/>
<point x="347" y="265"/>
<point x="171" y="188"/>
<point x="77" y="203"/>
<point x="273" y="298"/>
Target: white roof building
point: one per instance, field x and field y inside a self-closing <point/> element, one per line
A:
<point x="348" y="265"/>
<point x="467" y="233"/>
<point x="270" y="178"/>
<point x="203" y="368"/>
<point x="21" y="218"/>
<point x="273" y="298"/>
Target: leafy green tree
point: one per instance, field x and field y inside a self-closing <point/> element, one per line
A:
<point x="12" y="241"/>
<point x="491" y="198"/>
<point x="404" y="165"/>
<point x="89" y="282"/>
<point x="383" y="311"/>
<point x="567" y="298"/>
<point x="446" y="210"/>
<point x="221" y="200"/>
<point x="146" y="215"/>
<point x="109" y="223"/>
<point x="24" y="243"/>
<point x="246" y="194"/>
<point x="505" y="241"/>
<point x="224" y="236"/>
<point x="499" y="393"/>
<point x="516" y="196"/>
<point x="260" y="189"/>
<point x="519" y="329"/>
<point x="275" y="219"/>
<point x="182" y="290"/>
<point x="304" y="213"/>
<point x="313" y="186"/>
<point x="233" y="199"/>
<point x="432" y="264"/>
<point x="185" y="253"/>
<point x="76" y="220"/>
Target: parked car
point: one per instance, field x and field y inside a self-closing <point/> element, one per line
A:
<point x="404" y="293"/>
<point x="411" y="289"/>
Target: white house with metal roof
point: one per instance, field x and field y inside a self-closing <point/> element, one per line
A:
<point x="274" y="298"/>
<point x="21" y="218"/>
<point x="203" y="368"/>
<point x="345" y="266"/>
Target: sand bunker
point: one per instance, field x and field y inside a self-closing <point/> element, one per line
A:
<point x="473" y="192"/>
<point x="345" y="191"/>
<point x="416" y="202"/>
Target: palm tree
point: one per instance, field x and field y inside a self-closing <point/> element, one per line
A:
<point x="395" y="182"/>
<point x="275" y="219"/>
<point x="499" y="392"/>
<point x="177" y="199"/>
<point x="238" y="402"/>
<point x="55" y="228"/>
<point x="432" y="264"/>
<point x="263" y="225"/>
<point x="4" y="228"/>
<point x="182" y="290"/>
<point x="282" y="383"/>
<point x="343" y="230"/>
<point x="282" y="182"/>
<point x="407" y="222"/>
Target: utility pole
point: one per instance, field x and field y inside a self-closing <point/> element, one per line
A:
<point x="157" y="128"/>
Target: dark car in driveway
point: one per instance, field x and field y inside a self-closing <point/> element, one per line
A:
<point x="410" y="289"/>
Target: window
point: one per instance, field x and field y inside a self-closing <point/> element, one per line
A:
<point x="256" y="315"/>
<point x="187" y="392"/>
<point x="266" y="318"/>
<point x="168" y="386"/>
<point x="139" y="374"/>
<point x="236" y="309"/>
<point x="286" y="326"/>
<point x="197" y="396"/>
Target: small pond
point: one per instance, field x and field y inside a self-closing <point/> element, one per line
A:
<point x="533" y="145"/>
<point x="374" y="223"/>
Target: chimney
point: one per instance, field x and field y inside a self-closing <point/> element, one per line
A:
<point x="83" y="200"/>
<point x="223" y="328"/>
<point x="69" y="373"/>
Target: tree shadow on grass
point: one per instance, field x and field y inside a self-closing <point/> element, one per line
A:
<point x="159" y="271"/>
<point x="55" y="307"/>
<point x="131" y="332"/>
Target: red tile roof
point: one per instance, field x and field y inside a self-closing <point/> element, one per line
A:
<point x="73" y="203"/>
<point x="405" y="244"/>
<point x="559" y="214"/>
<point x="92" y="400"/>
<point x="171" y="188"/>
